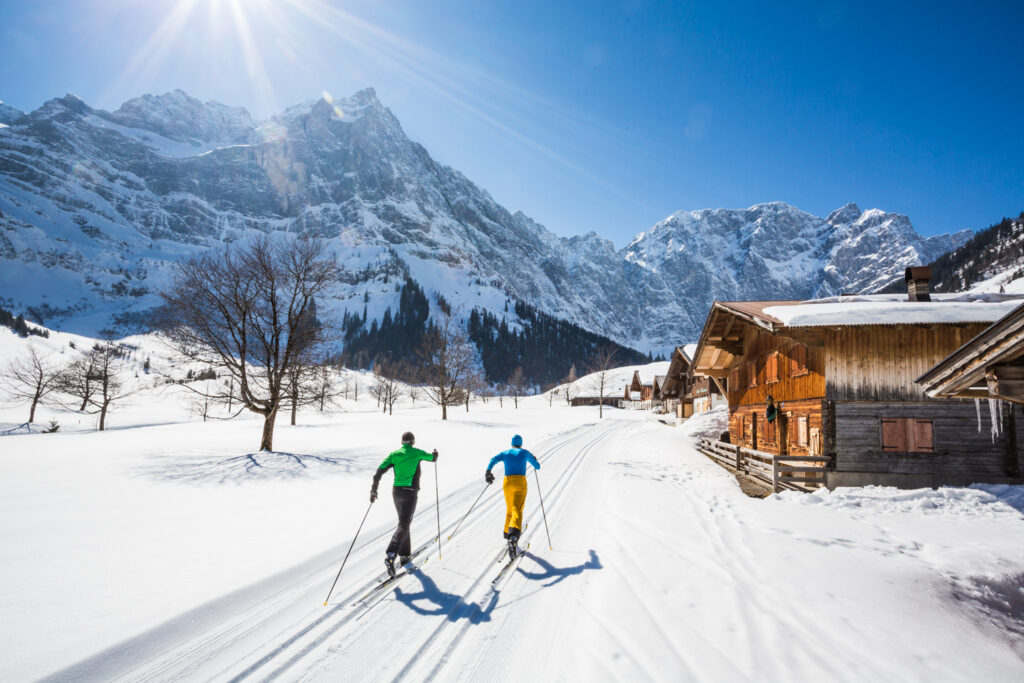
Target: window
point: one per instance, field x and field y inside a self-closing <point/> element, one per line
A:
<point x="907" y="435"/>
<point x="743" y="428"/>
<point x="798" y="360"/>
<point x="771" y="368"/>
<point x="751" y="374"/>
<point x="802" y="433"/>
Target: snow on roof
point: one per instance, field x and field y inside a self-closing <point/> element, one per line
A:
<point x="893" y="309"/>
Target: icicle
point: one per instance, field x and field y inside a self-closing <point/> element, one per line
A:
<point x="995" y="412"/>
<point x="977" y="409"/>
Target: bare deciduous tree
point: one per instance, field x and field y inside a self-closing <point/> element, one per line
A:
<point x="447" y="357"/>
<point x="98" y="379"/>
<point x="571" y="391"/>
<point x="517" y="383"/>
<point x="31" y="377"/>
<point x="603" y="363"/>
<point x="250" y="312"/>
<point x="386" y="388"/>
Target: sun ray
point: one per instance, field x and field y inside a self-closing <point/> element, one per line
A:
<point x="153" y="53"/>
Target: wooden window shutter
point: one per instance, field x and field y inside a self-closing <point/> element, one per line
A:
<point x="798" y="360"/>
<point x="772" y="368"/>
<point x="801" y="431"/>
<point x="894" y="435"/>
<point x="921" y="435"/>
<point x="751" y="374"/>
<point x="734" y="380"/>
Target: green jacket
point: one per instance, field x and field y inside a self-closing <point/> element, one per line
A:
<point x="406" y="461"/>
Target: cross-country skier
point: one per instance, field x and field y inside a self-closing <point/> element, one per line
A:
<point x="406" y="461"/>
<point x="515" y="460"/>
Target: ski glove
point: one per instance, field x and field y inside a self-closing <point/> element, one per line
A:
<point x="373" y="493"/>
<point x="434" y="453"/>
<point x="488" y="477"/>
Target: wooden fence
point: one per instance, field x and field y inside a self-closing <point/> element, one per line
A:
<point x="796" y="472"/>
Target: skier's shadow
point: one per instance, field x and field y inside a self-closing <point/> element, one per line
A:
<point x="444" y="603"/>
<point x="557" y="574"/>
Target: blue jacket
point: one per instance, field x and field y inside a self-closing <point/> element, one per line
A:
<point x="515" y="460"/>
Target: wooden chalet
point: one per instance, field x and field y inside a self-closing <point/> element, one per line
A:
<point x="637" y="390"/>
<point x="990" y="366"/>
<point x="706" y="393"/>
<point x="675" y="389"/>
<point x="841" y="373"/>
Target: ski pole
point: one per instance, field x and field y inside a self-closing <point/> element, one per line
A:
<point x="541" y="496"/>
<point x="348" y="553"/>
<point x="468" y="511"/>
<point x="437" y="495"/>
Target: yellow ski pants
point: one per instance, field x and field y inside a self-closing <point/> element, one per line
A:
<point x="515" y="498"/>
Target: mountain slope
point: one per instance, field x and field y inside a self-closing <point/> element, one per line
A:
<point x="95" y="207"/>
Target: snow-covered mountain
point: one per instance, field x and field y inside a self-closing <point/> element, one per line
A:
<point x="95" y="207"/>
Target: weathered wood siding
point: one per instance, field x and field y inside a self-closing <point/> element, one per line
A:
<point x="748" y="426"/>
<point x="881" y="362"/>
<point x="960" y="449"/>
<point x="758" y="345"/>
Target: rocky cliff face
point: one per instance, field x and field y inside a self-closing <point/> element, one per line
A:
<point x="95" y="207"/>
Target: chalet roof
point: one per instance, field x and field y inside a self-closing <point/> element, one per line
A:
<point x="974" y="369"/>
<point x="721" y="340"/>
<point x="876" y="309"/>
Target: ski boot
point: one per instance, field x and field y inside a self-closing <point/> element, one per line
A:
<point x="404" y="560"/>
<point x="389" y="562"/>
<point x="513" y="543"/>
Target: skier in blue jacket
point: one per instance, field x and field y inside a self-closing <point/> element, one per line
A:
<point x="515" y="460"/>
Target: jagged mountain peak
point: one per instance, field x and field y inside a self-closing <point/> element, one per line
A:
<point x="96" y="207"/>
<point x="847" y="213"/>
<point x="178" y="116"/>
<point x="9" y="114"/>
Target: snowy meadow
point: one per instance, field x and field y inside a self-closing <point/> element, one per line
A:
<point x="168" y="547"/>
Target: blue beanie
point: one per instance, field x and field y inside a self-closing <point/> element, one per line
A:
<point x="517" y="441"/>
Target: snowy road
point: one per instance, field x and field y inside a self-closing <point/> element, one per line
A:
<point x="660" y="570"/>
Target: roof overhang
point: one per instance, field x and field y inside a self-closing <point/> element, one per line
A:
<point x="991" y="365"/>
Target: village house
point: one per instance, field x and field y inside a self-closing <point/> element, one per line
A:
<point x="638" y="394"/>
<point x="826" y="387"/>
<point x="676" y="398"/>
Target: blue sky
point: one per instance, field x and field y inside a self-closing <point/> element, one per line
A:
<point x="603" y="116"/>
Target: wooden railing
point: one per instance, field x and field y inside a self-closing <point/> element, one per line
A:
<point x="796" y="472"/>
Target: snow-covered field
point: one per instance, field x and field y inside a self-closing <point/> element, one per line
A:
<point x="168" y="549"/>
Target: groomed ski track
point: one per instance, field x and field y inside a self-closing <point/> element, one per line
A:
<point x="661" y="570"/>
<point x="279" y="629"/>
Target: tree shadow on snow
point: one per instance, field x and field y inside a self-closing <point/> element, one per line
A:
<point x="259" y="466"/>
<point x="442" y="603"/>
<point x="553" y="574"/>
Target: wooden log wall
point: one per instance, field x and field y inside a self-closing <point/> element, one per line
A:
<point x="881" y="362"/>
<point x="959" y="447"/>
<point x="758" y="345"/>
<point x="748" y="426"/>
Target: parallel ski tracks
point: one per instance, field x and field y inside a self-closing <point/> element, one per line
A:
<point x="486" y="599"/>
<point x="197" y="658"/>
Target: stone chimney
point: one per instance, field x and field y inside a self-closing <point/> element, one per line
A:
<point x="917" y="279"/>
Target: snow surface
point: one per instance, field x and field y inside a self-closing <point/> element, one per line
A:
<point x="167" y="549"/>
<point x="900" y="312"/>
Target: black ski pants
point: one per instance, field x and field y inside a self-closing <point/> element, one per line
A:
<point x="405" y="505"/>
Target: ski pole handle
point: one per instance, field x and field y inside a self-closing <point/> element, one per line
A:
<point x="348" y="553"/>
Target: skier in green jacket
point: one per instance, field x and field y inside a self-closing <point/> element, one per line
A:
<point x="406" y="461"/>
